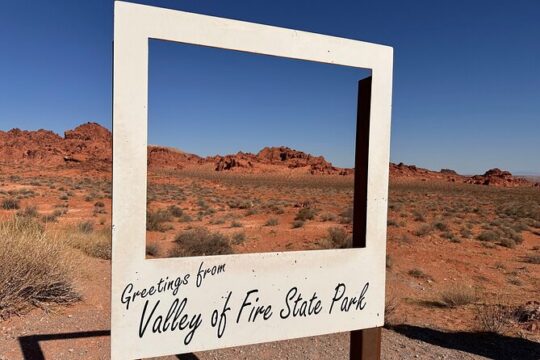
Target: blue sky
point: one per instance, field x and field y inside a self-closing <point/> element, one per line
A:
<point x="466" y="79"/>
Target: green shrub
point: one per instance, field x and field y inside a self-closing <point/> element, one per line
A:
<point x="305" y="214"/>
<point x="200" y="241"/>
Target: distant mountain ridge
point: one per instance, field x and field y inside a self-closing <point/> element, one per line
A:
<point x="89" y="146"/>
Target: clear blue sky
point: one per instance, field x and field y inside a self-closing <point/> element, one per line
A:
<point x="466" y="79"/>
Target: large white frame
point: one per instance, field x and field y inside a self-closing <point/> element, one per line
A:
<point x="272" y="273"/>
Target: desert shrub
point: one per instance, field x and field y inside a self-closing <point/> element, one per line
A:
<point x="327" y="216"/>
<point x="305" y="214"/>
<point x="297" y="224"/>
<point x="238" y="238"/>
<point x="389" y="262"/>
<point x="175" y="211"/>
<point x="488" y="235"/>
<point x="458" y="295"/>
<point x="508" y="243"/>
<point x="271" y="222"/>
<point x="418" y="216"/>
<point x="450" y="236"/>
<point x="29" y="211"/>
<point x="418" y="273"/>
<point x="85" y="227"/>
<point x="493" y="318"/>
<point x="64" y="197"/>
<point x="95" y="243"/>
<point x="34" y="268"/>
<point x="423" y="230"/>
<point x="185" y="218"/>
<point x="392" y="222"/>
<point x="466" y="233"/>
<point x="200" y="241"/>
<point x="236" y="224"/>
<point x="152" y="249"/>
<point x="532" y="259"/>
<point x="99" y="204"/>
<point x="155" y="220"/>
<point x="252" y="211"/>
<point x="337" y="238"/>
<point x="10" y="204"/>
<point x="441" y="226"/>
<point x="347" y="215"/>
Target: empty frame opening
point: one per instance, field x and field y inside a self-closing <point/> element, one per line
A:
<point x="248" y="153"/>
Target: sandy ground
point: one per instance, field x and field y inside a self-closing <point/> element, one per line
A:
<point x="81" y="331"/>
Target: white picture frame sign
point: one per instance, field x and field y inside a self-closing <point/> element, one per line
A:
<point x="186" y="312"/>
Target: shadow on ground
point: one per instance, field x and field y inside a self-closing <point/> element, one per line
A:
<point x="490" y="345"/>
<point x="31" y="348"/>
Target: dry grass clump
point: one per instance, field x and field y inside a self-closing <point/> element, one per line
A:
<point x="34" y="268"/>
<point x="458" y="295"/>
<point x="493" y="318"/>
<point x="155" y="220"/>
<point x="337" y="238"/>
<point x="10" y="204"/>
<point x="200" y="241"/>
<point x="271" y="222"/>
<point x="93" y="243"/>
<point x="305" y="214"/>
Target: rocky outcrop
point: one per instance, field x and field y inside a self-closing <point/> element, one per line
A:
<point x="498" y="177"/>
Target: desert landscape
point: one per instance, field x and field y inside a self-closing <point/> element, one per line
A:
<point x="463" y="252"/>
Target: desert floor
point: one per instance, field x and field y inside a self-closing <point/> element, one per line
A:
<point x="463" y="263"/>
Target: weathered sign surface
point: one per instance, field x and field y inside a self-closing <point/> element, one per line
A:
<point x="179" y="305"/>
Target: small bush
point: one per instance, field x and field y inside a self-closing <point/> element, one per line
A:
<point x="99" y="204"/>
<point x="508" y="243"/>
<point x="175" y="211"/>
<point x="423" y="230"/>
<point x="271" y="222"/>
<point x="488" y="235"/>
<point x="327" y="216"/>
<point x="347" y="215"/>
<point x="418" y="273"/>
<point x="337" y="238"/>
<point x="305" y="214"/>
<point x="236" y="224"/>
<point x="29" y="211"/>
<point x="418" y="216"/>
<point x="95" y="243"/>
<point x="493" y="318"/>
<point x="34" y="268"/>
<point x="152" y="250"/>
<point x="10" y="204"/>
<point x="239" y="238"/>
<point x="155" y="220"/>
<point x="532" y="259"/>
<point x="297" y="224"/>
<point x="199" y="242"/>
<point x="458" y="296"/>
<point x="86" y="227"/>
<point x="440" y="226"/>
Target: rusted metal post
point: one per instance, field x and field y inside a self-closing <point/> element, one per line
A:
<point x="365" y="344"/>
